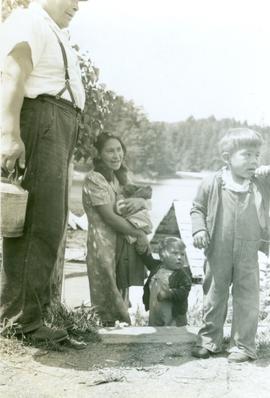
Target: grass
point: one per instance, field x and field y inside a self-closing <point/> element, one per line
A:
<point x="194" y="315"/>
<point x="12" y="347"/>
<point x="263" y="338"/>
<point x="139" y="318"/>
<point x="81" y="323"/>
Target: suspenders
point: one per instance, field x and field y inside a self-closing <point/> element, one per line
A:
<point x="67" y="79"/>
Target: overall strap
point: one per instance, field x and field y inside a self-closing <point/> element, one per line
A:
<point x="67" y="78"/>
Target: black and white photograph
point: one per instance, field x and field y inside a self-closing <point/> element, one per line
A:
<point x="135" y="199"/>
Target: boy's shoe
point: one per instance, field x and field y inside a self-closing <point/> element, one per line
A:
<point x="46" y="334"/>
<point x="200" y="352"/>
<point x="238" y="357"/>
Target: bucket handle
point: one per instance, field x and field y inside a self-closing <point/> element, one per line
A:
<point x="14" y="177"/>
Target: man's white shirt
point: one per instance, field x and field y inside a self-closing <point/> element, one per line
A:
<point x="36" y="27"/>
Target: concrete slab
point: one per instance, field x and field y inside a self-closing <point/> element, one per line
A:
<point x="164" y="334"/>
<point x="147" y="335"/>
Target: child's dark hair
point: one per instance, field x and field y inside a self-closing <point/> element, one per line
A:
<point x="100" y="167"/>
<point x="238" y="138"/>
<point x="168" y="242"/>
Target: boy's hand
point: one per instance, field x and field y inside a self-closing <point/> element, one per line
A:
<point x="201" y="240"/>
<point x="164" y="294"/>
<point x="262" y="171"/>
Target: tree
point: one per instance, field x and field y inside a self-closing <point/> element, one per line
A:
<point x="99" y="101"/>
<point x="9" y="5"/>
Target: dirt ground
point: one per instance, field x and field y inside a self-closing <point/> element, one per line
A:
<point x="141" y="369"/>
<point x="117" y="368"/>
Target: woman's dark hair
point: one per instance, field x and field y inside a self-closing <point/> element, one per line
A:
<point x="103" y="137"/>
<point x="101" y="168"/>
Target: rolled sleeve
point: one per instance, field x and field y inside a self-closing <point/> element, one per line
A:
<point x="21" y="27"/>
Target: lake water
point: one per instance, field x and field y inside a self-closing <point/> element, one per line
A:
<point x="181" y="191"/>
<point x="165" y="192"/>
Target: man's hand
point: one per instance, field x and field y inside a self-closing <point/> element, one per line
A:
<point x="262" y="171"/>
<point x="201" y="240"/>
<point x="12" y="149"/>
<point x="164" y="294"/>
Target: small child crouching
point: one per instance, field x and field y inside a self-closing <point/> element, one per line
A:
<point x="167" y="288"/>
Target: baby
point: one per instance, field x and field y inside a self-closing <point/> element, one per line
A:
<point x="169" y="286"/>
<point x="127" y="262"/>
<point x="141" y="218"/>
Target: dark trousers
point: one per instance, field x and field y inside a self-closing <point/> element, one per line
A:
<point x="49" y="130"/>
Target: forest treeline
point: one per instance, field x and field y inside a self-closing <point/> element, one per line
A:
<point x="160" y="149"/>
<point x="155" y="149"/>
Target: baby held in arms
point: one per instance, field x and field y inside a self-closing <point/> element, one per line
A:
<point x="141" y="218"/>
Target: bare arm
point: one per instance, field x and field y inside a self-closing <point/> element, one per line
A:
<point x="119" y="224"/>
<point x="16" y="70"/>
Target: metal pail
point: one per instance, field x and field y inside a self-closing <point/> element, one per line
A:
<point x="13" y="208"/>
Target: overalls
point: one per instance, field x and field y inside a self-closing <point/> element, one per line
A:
<point x="233" y="260"/>
<point x="49" y="129"/>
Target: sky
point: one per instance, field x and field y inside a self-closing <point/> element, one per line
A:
<point x="177" y="58"/>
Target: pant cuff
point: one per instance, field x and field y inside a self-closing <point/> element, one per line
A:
<point x="251" y="354"/>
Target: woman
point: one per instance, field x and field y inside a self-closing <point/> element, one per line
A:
<point x="102" y="187"/>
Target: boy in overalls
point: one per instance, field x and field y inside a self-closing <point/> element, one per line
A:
<point x="230" y="220"/>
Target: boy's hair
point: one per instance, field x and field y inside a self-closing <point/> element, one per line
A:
<point x="168" y="242"/>
<point x="238" y="138"/>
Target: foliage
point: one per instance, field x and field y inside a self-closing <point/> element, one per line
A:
<point x="160" y="149"/>
<point x="128" y="122"/>
<point x="154" y="148"/>
<point x="195" y="142"/>
<point x="9" y="5"/>
<point x="97" y="106"/>
<point x="81" y="323"/>
<point x="11" y="346"/>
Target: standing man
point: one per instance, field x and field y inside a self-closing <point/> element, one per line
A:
<point x="42" y="99"/>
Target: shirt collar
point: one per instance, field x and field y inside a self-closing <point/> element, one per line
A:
<point x="38" y="10"/>
<point x="228" y="182"/>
